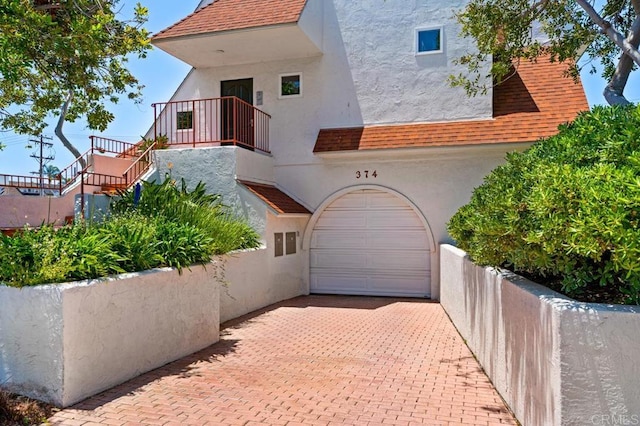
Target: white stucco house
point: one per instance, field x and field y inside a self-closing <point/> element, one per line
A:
<point x="332" y="126"/>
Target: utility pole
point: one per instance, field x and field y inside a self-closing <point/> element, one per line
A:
<point x="42" y="160"/>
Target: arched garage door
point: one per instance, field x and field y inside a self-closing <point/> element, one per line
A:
<point x="370" y="242"/>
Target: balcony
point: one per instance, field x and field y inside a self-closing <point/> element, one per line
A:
<point x="212" y="122"/>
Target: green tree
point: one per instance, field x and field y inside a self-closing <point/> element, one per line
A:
<point x="66" y="58"/>
<point x="50" y="171"/>
<point x="507" y="30"/>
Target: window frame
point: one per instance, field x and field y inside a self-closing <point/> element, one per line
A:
<point x="440" y="29"/>
<point x="289" y="74"/>
<point x="185" y="129"/>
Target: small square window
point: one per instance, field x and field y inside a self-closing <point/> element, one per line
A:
<point x="290" y="85"/>
<point x="428" y="40"/>
<point x="184" y="120"/>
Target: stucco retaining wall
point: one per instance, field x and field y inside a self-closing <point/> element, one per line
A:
<point x="253" y="279"/>
<point x="17" y="211"/>
<point x="63" y="343"/>
<point x="554" y="360"/>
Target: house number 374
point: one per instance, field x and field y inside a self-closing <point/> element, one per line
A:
<point x="366" y="174"/>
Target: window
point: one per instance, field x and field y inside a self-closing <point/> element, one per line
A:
<point x="428" y="40"/>
<point x="290" y="85"/>
<point x="184" y="120"/>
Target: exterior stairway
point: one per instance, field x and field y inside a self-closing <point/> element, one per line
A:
<point x="109" y="166"/>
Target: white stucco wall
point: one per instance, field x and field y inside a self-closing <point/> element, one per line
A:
<point x="554" y="361"/>
<point x="218" y="168"/>
<point x="254" y="279"/>
<point x="63" y="343"/>
<point x="436" y="180"/>
<point x="368" y="74"/>
<point x="31" y="341"/>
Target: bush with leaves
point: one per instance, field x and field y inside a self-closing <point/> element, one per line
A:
<point x="196" y="208"/>
<point x="567" y="209"/>
<point x="169" y="227"/>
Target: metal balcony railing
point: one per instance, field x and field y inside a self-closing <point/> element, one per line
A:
<point x="225" y="121"/>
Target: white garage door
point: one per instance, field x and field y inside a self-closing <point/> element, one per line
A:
<point x="370" y="242"/>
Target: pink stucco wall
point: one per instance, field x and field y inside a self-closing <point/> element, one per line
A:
<point x="110" y="165"/>
<point x="17" y="211"/>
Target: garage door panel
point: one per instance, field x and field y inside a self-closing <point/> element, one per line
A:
<point x="338" y="260"/>
<point x="345" y="219"/>
<point x="402" y="262"/>
<point x="381" y="240"/>
<point x="370" y="242"/>
<point x="370" y="285"/>
<point x="412" y="284"/>
<point x="339" y="283"/>
<point x="371" y="262"/>
<point x="405" y="240"/>
<point x="350" y="201"/>
<point x="378" y="200"/>
<point x="338" y="240"/>
<point x="395" y="218"/>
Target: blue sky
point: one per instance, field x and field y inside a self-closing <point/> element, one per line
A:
<point x="161" y="74"/>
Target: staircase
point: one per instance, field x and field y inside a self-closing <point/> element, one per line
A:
<point x="108" y="167"/>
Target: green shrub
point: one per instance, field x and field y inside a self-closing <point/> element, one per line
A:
<point x="197" y="208"/>
<point x="46" y="255"/>
<point x="568" y="208"/>
<point x="169" y="227"/>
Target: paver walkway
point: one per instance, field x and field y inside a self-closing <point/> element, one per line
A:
<point x="318" y="360"/>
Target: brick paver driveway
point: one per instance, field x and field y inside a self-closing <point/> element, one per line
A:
<point x="318" y="360"/>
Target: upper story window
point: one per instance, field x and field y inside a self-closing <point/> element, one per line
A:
<point x="429" y="40"/>
<point x="184" y="120"/>
<point x="290" y="85"/>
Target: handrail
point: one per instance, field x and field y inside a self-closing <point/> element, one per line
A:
<point x="80" y="166"/>
<point x="113" y="146"/>
<point x="145" y="156"/>
<point x="67" y="176"/>
<point x="242" y="101"/>
<point x="100" y="179"/>
<point x="219" y="121"/>
<point x="32" y="182"/>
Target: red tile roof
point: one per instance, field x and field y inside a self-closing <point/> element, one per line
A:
<point x="226" y="15"/>
<point x="527" y="107"/>
<point x="276" y="199"/>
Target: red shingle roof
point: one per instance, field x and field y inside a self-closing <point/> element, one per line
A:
<point x="528" y="106"/>
<point x="226" y="15"/>
<point x="276" y="199"/>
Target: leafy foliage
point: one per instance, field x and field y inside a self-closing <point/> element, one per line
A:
<point x="568" y="207"/>
<point x="508" y="30"/>
<point x="169" y="227"/>
<point x="197" y="208"/>
<point x="77" y="51"/>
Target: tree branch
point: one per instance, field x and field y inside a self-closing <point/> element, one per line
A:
<point x="612" y="33"/>
<point x="613" y="93"/>
<point x="62" y="137"/>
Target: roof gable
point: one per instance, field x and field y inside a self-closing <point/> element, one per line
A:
<point x="528" y="106"/>
<point x="227" y="15"/>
